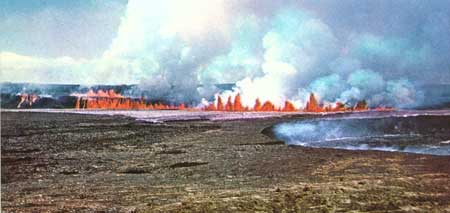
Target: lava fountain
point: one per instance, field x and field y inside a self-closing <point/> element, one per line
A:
<point x="116" y="101"/>
<point x="113" y="100"/>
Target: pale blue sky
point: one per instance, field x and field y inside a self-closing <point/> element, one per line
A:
<point x="52" y="28"/>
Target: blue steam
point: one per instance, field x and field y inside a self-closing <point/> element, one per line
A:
<point x="423" y="134"/>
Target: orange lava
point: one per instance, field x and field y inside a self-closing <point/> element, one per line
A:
<point x="311" y="106"/>
<point x="236" y="106"/>
<point x="112" y="100"/>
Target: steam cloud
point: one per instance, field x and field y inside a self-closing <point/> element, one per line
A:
<point x="402" y="132"/>
<point x="277" y="50"/>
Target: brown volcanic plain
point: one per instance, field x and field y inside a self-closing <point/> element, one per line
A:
<point x="74" y="162"/>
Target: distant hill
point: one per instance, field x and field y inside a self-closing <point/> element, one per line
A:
<point x="59" y="95"/>
<point x="437" y="96"/>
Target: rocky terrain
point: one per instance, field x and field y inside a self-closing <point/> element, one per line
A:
<point x="75" y="162"/>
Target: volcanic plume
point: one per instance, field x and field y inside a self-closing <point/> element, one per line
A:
<point x="274" y="51"/>
<point x="312" y="105"/>
<point x="112" y="100"/>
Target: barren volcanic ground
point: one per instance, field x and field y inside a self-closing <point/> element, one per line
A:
<point x="58" y="161"/>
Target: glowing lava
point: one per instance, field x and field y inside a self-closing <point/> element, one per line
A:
<point x="112" y="100"/>
<point x="311" y="106"/>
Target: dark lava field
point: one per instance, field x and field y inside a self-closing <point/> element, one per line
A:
<point x="84" y="163"/>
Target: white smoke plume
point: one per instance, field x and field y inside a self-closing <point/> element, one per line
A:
<point x="348" y="50"/>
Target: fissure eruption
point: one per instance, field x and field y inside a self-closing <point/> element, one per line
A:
<point x="116" y="101"/>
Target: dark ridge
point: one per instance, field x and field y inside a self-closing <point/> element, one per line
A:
<point x="187" y="164"/>
<point x="271" y="143"/>
<point x="58" y="96"/>
<point x="268" y="131"/>
<point x="69" y="172"/>
<point x="20" y="151"/>
<point x="171" y="152"/>
<point x="202" y="118"/>
<point x="133" y="170"/>
<point x="7" y="160"/>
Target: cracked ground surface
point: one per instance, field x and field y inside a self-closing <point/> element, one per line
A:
<point x="72" y="162"/>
